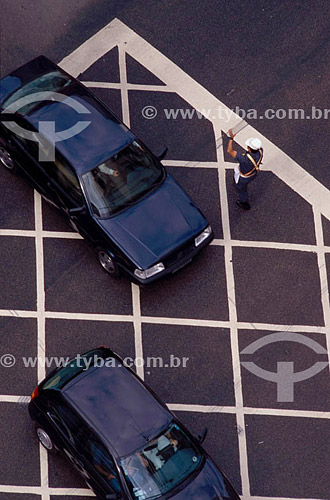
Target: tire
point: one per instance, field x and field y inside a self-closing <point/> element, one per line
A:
<point x="44" y="439"/>
<point x="107" y="262"/>
<point x="6" y="159"/>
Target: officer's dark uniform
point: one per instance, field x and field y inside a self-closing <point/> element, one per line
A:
<point x="248" y="172"/>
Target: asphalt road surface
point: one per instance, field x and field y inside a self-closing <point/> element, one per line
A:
<point x="267" y="271"/>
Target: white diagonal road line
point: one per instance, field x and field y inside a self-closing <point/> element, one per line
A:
<point x="41" y="328"/>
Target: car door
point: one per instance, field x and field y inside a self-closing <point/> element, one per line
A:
<point x="26" y="153"/>
<point x="69" y="195"/>
<point x="104" y="475"/>
<point x="69" y="430"/>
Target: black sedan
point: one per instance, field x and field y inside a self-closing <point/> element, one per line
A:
<point x="87" y="163"/>
<point x="122" y="439"/>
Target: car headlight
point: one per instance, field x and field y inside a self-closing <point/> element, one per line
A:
<point x="204" y="234"/>
<point x="146" y="273"/>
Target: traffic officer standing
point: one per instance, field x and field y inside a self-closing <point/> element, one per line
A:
<point x="248" y="167"/>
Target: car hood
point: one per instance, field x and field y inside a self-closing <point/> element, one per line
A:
<point x="209" y="484"/>
<point x="157" y="225"/>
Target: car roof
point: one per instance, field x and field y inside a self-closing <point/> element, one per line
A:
<point x="103" y="137"/>
<point x="118" y="406"/>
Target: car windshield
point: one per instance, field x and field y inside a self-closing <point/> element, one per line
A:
<point x="50" y="82"/>
<point x="121" y="180"/>
<point x="160" y="466"/>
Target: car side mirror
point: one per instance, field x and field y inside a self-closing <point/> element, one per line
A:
<point x="162" y="155"/>
<point x="201" y="437"/>
<point x="77" y="211"/>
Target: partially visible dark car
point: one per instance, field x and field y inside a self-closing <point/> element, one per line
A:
<point x="112" y="188"/>
<point x="122" y="439"/>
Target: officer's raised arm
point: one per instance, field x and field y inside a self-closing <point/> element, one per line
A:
<point x="230" y="149"/>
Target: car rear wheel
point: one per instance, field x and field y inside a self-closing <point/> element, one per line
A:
<point x="6" y="160"/>
<point x="107" y="262"/>
<point x="44" y="439"/>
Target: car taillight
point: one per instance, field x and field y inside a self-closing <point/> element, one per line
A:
<point x="35" y="393"/>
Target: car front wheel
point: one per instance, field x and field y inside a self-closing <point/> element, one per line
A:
<point x="44" y="439"/>
<point x="6" y="160"/>
<point x="107" y="262"/>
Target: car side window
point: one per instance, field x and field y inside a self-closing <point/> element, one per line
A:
<point x="66" y="179"/>
<point x="32" y="147"/>
<point x="100" y="458"/>
<point x="67" y="422"/>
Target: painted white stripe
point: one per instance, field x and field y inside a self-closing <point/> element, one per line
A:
<point x="208" y="164"/>
<point x="45" y="234"/>
<point x="41" y="348"/>
<point x="90" y="51"/>
<point x="282" y="328"/>
<point x="123" y="83"/>
<point x="242" y="446"/>
<point x="185" y="321"/>
<point x="323" y="277"/>
<point x="102" y="85"/>
<point x="217" y="241"/>
<point x="40" y="285"/>
<point x="17" y="232"/>
<point x="239" y="325"/>
<point x="44" y="473"/>
<point x="166" y="321"/>
<point x="130" y="86"/>
<point x="191" y="164"/>
<point x="201" y="408"/>
<point x="16" y="313"/>
<point x="8" y="488"/>
<point x="71" y="491"/>
<point x="275" y="245"/>
<point x="134" y="288"/>
<point x="62" y="234"/>
<point x="89" y="316"/>
<point x="137" y="328"/>
<point x="37" y="490"/>
<point x="4" y="398"/>
<point x="287" y="413"/>
<point x="275" y="412"/>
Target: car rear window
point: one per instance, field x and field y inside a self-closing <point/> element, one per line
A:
<point x="73" y="367"/>
<point x="49" y="82"/>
